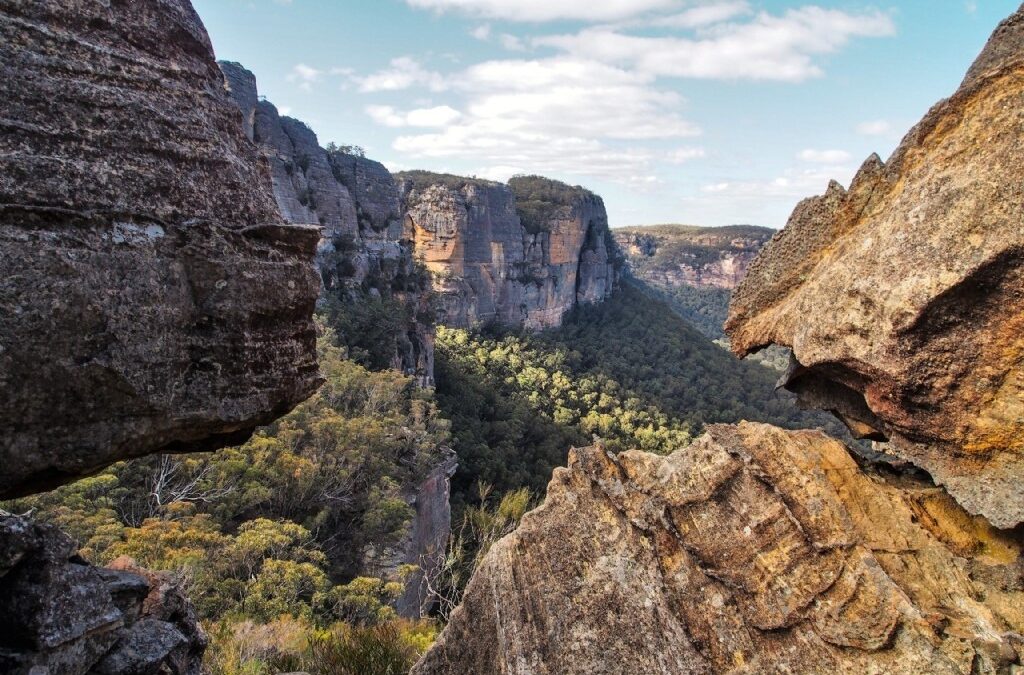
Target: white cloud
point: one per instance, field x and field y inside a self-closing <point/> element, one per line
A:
<point x="481" y="32"/>
<point x="766" y="48"/>
<point x="548" y="10"/>
<point x="439" y="116"/>
<point x="404" y="72"/>
<point x="556" y="116"/>
<point x="683" y="155"/>
<point x="697" y="17"/>
<point x="874" y="128"/>
<point x="511" y="43"/>
<point x="825" y="156"/>
<point x="304" y="75"/>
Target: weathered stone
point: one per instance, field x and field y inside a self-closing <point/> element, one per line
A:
<point x="754" y="550"/>
<point x="59" y="614"/>
<point x="152" y="297"/>
<point x="427" y="543"/>
<point x="903" y="297"/>
<point x="488" y="267"/>
<point x="149" y="647"/>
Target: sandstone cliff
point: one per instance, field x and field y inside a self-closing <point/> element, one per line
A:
<point x="704" y="257"/>
<point x="522" y="254"/>
<point x="363" y="255"/>
<point x="903" y="297"/>
<point x="152" y="300"/>
<point x="761" y="550"/>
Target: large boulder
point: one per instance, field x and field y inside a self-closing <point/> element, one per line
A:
<point x="754" y="550"/>
<point x="152" y="298"/>
<point x="902" y="298"/>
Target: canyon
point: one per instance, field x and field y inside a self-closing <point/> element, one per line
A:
<point x="763" y="550"/>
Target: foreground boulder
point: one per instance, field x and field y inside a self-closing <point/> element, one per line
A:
<point x="153" y="299"/>
<point x="60" y="615"/>
<point x="903" y="297"/>
<point x="754" y="550"/>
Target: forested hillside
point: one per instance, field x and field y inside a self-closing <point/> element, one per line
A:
<point x="629" y="371"/>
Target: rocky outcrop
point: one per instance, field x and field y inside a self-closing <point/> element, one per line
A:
<point x="59" y="614"/>
<point x="522" y="254"/>
<point x="152" y="298"/>
<point x="903" y="297"/>
<point x="363" y="254"/>
<point x="668" y="256"/>
<point x="427" y="543"/>
<point x="755" y="550"/>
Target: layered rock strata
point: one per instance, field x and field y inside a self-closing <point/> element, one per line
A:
<point x="363" y="253"/>
<point x="59" y="614"/>
<point x="903" y="297"/>
<point x="152" y="298"/>
<point x="494" y="262"/>
<point x="755" y="550"/>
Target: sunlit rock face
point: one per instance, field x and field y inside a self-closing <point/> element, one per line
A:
<point x="754" y="550"/>
<point x="903" y="297"/>
<point x="494" y="262"/>
<point x="152" y="297"/>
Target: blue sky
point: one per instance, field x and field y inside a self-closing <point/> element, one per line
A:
<point x="692" y="111"/>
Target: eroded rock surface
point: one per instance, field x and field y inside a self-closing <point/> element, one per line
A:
<point x="903" y="297"/>
<point x="60" y="615"/>
<point x="151" y="297"/>
<point x="494" y="261"/>
<point x="755" y="550"/>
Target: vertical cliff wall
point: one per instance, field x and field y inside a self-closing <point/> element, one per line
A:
<point x="522" y="254"/>
<point x="152" y="299"/>
<point x="363" y="255"/>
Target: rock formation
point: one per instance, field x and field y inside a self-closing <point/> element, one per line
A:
<point x="758" y="550"/>
<point x="152" y="298"/>
<point x="903" y="297"/>
<point x="363" y="253"/>
<point x="754" y="550"/>
<point x="522" y="254"/>
<point x="667" y="256"/>
<point x="60" y="615"/>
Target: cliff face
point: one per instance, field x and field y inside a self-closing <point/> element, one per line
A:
<point x="489" y="265"/>
<point x="668" y="256"/>
<point x="903" y="297"/>
<point x="153" y="300"/>
<point x="761" y="550"/>
<point x="754" y="550"/>
<point x="363" y="253"/>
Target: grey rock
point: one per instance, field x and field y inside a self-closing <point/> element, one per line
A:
<point x="152" y="297"/>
